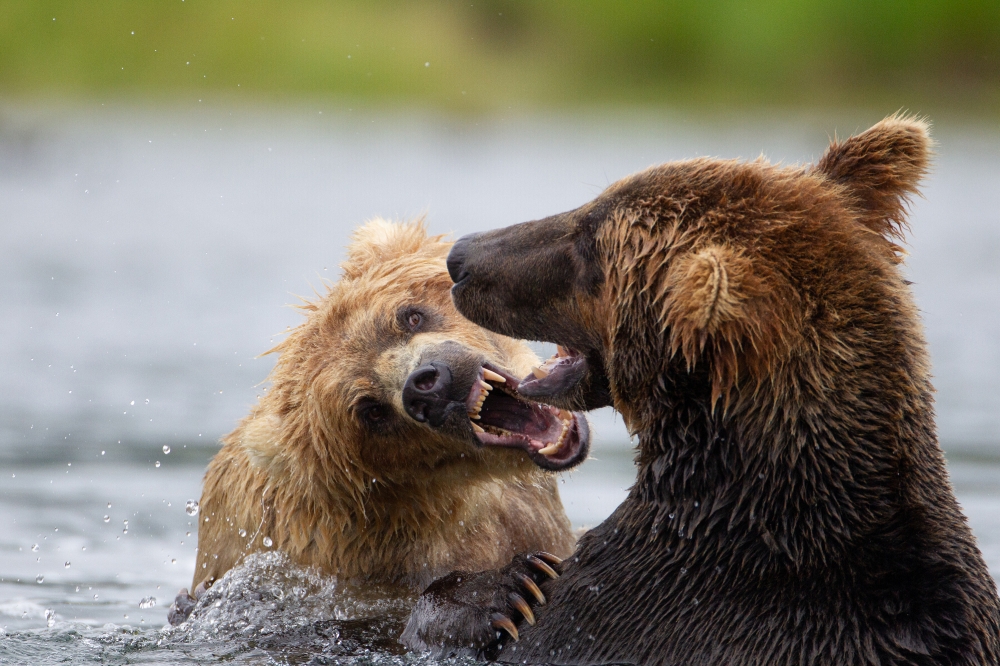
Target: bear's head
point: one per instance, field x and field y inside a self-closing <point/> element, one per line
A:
<point x="714" y="279"/>
<point x="384" y="382"/>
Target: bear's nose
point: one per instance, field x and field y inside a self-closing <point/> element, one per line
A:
<point x="456" y="258"/>
<point x="425" y="393"/>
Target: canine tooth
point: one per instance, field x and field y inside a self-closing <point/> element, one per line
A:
<point x="551" y="448"/>
<point x="493" y="377"/>
<point x="476" y="427"/>
<point x="561" y="351"/>
<point x="539" y="372"/>
<point x="486" y="387"/>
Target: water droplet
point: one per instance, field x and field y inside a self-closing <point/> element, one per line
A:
<point x="461" y="523"/>
<point x="34" y="547"/>
<point x="67" y="564"/>
<point x="191" y="508"/>
<point x="157" y="463"/>
<point x="173" y="560"/>
<point x="147" y="401"/>
<point x="132" y="403"/>
<point x="109" y="505"/>
<point x="39" y="579"/>
<point x="107" y="518"/>
<point x="243" y="533"/>
<point x="166" y="450"/>
<point x="50" y="617"/>
<point x="268" y="542"/>
<point x="147" y="602"/>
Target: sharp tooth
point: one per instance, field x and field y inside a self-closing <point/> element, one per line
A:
<point x="539" y="373"/>
<point x="486" y="387"/>
<point x="474" y="417"/>
<point x="493" y="377"/>
<point x="550" y="449"/>
<point x="561" y="351"/>
<point x="477" y="428"/>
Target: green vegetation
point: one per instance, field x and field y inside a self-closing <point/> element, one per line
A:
<point x="493" y="54"/>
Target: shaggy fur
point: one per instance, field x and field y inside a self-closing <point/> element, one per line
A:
<point x="396" y="503"/>
<point x="752" y="325"/>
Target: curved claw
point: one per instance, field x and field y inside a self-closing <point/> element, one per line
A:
<point x="518" y="602"/>
<point x="549" y="557"/>
<point x="542" y="566"/>
<point x="531" y="587"/>
<point x="501" y="621"/>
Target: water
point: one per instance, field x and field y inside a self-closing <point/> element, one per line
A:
<point x="146" y="257"/>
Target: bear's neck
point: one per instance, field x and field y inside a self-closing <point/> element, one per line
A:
<point x="759" y="478"/>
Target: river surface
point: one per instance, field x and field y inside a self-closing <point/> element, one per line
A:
<point x="147" y="257"/>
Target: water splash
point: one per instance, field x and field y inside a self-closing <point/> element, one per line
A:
<point x="279" y="606"/>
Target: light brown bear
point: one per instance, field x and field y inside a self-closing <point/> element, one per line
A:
<point x="752" y="325"/>
<point x="391" y="447"/>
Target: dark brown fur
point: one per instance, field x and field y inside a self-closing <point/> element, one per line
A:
<point x="751" y="323"/>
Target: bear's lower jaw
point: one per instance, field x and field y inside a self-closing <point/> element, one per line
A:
<point x="557" y="376"/>
<point x="553" y="438"/>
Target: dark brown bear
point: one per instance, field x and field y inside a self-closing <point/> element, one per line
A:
<point x="753" y="326"/>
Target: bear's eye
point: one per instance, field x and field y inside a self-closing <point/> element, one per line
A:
<point x="374" y="413"/>
<point x="412" y="319"/>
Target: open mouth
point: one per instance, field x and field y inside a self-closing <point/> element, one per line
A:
<point x="557" y="376"/>
<point x="553" y="438"/>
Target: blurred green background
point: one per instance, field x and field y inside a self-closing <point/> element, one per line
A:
<point x="486" y="55"/>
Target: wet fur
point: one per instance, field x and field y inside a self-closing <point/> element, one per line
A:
<point x="792" y="504"/>
<point x="398" y="506"/>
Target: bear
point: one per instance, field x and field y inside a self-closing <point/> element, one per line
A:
<point x="392" y="446"/>
<point x="752" y="324"/>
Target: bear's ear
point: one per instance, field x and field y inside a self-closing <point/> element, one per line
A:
<point x="717" y="309"/>
<point x="881" y="168"/>
<point x="378" y="241"/>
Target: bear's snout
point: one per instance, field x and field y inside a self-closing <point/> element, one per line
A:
<point x="426" y="393"/>
<point x="457" y="256"/>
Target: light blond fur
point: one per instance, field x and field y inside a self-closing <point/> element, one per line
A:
<point x="401" y="509"/>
